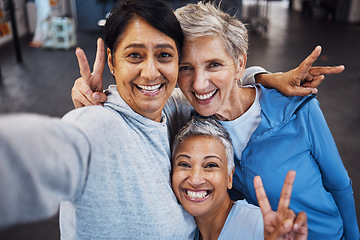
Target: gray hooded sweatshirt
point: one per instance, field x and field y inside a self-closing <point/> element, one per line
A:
<point x="108" y="168"/>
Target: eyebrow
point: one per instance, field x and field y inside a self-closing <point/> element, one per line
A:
<point x="207" y="61"/>
<point x="182" y="155"/>
<point x="140" y="45"/>
<point x="206" y="157"/>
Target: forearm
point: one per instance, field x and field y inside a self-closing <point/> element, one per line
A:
<point x="334" y="175"/>
<point x="257" y="74"/>
<point x="40" y="166"/>
<point x="344" y="200"/>
<point x="265" y="78"/>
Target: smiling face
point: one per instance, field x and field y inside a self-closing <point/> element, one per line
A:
<point x="208" y="75"/>
<point x="145" y="66"/>
<point x="200" y="176"/>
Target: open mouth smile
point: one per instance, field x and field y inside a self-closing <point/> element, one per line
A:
<point x="197" y="195"/>
<point x="149" y="88"/>
<point x="207" y="96"/>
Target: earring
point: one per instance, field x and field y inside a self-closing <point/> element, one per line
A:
<point x="112" y="72"/>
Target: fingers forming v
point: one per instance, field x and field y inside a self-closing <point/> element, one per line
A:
<point x="308" y="62"/>
<point x="285" y="195"/>
<point x="261" y="196"/>
<point x="83" y="64"/>
<point x="315" y="71"/>
<point x="100" y="58"/>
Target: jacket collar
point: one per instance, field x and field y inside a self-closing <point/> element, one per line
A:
<point x="278" y="108"/>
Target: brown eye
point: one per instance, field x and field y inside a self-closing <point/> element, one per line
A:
<point x="183" y="164"/>
<point x="184" y="68"/>
<point x="134" y="55"/>
<point x="211" y="165"/>
<point x="165" y="55"/>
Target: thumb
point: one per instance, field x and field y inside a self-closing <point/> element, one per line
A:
<point x="99" y="97"/>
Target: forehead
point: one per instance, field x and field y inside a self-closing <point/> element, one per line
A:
<point x="201" y="145"/>
<point x="139" y="31"/>
<point x="205" y="47"/>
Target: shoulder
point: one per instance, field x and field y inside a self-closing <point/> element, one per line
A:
<point x="243" y="205"/>
<point x="84" y="113"/>
<point x="275" y="104"/>
<point x="89" y="118"/>
<point x="244" y="212"/>
<point x="244" y="222"/>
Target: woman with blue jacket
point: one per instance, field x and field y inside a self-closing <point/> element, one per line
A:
<point x="271" y="133"/>
<point x="293" y="135"/>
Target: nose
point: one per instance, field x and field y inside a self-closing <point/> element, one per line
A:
<point x="196" y="177"/>
<point x="200" y="81"/>
<point x="150" y="69"/>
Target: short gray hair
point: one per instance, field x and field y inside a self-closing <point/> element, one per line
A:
<point x="207" y="126"/>
<point x="205" y="19"/>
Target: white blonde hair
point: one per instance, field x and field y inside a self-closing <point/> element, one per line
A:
<point x="205" y="19"/>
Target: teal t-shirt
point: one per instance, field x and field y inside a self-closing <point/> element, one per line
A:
<point x="245" y="221"/>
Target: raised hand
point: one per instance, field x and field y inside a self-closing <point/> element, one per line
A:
<point x="87" y="89"/>
<point x="302" y="80"/>
<point x="282" y="224"/>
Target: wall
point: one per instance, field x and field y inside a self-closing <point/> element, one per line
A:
<point x="354" y="14"/>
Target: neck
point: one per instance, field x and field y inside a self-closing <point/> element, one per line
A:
<point x="210" y="226"/>
<point x="239" y="101"/>
<point x="154" y="115"/>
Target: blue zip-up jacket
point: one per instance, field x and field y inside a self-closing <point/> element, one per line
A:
<point x="293" y="135"/>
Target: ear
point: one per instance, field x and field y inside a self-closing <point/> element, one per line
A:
<point x="230" y="179"/>
<point x="240" y="65"/>
<point x="110" y="60"/>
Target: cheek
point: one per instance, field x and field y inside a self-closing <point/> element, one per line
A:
<point x="175" y="183"/>
<point x="171" y="72"/>
<point x="175" y="179"/>
<point x="221" y="180"/>
<point x="226" y="84"/>
<point x="184" y="83"/>
<point x="125" y="71"/>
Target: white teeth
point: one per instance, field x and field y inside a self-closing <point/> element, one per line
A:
<point x="149" y="88"/>
<point x="196" y="195"/>
<point x="205" y="96"/>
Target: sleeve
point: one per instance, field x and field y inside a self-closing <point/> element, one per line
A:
<point x="178" y="111"/>
<point x="43" y="161"/>
<point x="259" y="228"/>
<point x="334" y="175"/>
<point x="249" y="75"/>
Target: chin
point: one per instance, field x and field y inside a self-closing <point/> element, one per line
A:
<point x="195" y="212"/>
<point x="204" y="112"/>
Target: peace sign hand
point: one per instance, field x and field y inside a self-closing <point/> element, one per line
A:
<point x="87" y="89"/>
<point x="302" y="80"/>
<point x="282" y="224"/>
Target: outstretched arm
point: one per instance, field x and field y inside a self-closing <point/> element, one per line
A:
<point x="333" y="173"/>
<point x="283" y="223"/>
<point x="87" y="89"/>
<point x="302" y="80"/>
<point x="43" y="161"/>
